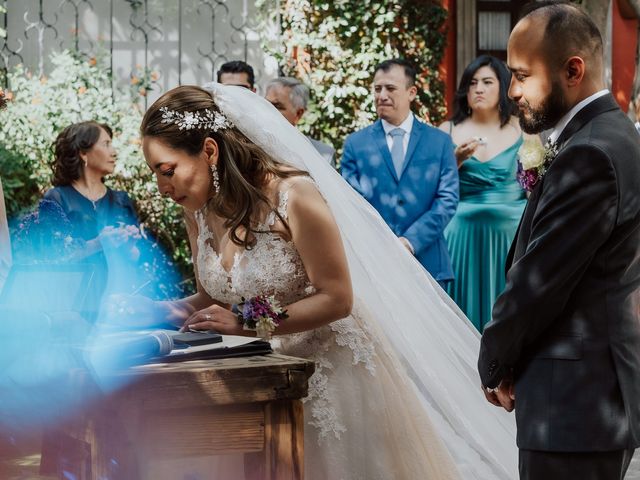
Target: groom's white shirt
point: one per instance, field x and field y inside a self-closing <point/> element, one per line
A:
<point x="564" y="121"/>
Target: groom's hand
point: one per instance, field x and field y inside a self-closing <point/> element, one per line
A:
<point x="506" y="394"/>
<point x="492" y="396"/>
<point x="503" y="396"/>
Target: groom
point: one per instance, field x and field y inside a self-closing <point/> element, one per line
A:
<point x="563" y="347"/>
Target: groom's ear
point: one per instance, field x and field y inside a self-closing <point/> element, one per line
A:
<point x="575" y="70"/>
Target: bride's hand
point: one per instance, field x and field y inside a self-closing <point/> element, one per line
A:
<point x="215" y="318"/>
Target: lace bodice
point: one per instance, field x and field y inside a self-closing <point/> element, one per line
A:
<point x="272" y="267"/>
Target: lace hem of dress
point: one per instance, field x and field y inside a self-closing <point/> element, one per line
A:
<point x="345" y="333"/>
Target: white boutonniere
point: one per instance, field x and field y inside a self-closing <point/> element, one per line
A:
<point x="533" y="162"/>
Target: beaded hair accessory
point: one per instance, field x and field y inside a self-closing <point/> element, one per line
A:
<point x="206" y="119"/>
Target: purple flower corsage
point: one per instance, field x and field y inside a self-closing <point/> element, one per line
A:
<point x="261" y="314"/>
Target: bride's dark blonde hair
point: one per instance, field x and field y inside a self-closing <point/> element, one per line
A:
<point x="243" y="167"/>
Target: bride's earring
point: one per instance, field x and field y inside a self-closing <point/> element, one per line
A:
<point x="216" y="178"/>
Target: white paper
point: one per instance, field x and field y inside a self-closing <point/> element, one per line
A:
<point x="228" y="341"/>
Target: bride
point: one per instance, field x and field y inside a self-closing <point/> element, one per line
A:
<point x="395" y="394"/>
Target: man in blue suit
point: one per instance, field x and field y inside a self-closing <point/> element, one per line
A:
<point x="405" y="169"/>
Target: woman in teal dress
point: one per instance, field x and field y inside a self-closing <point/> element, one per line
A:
<point x="487" y="138"/>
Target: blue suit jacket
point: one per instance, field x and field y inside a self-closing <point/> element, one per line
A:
<point x="420" y="203"/>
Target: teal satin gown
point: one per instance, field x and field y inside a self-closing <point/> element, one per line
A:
<point x="480" y="233"/>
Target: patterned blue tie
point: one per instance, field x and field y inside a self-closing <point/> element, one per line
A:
<point x="397" y="149"/>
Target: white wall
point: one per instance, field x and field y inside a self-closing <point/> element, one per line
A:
<point x="212" y="32"/>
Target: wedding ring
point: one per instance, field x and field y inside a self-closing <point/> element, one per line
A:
<point x="207" y="316"/>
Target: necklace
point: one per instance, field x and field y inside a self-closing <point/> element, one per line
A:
<point x="93" y="198"/>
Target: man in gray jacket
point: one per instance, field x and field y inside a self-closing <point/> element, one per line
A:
<point x="291" y="97"/>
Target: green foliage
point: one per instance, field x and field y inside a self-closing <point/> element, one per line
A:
<point x="334" y="47"/>
<point x="20" y="190"/>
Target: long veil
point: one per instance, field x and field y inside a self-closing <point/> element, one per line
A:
<point x="433" y="339"/>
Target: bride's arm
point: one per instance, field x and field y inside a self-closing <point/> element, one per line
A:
<point x="317" y="239"/>
<point x="316" y="236"/>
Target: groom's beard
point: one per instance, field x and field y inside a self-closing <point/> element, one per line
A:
<point x="547" y="115"/>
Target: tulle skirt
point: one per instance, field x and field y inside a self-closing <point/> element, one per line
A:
<point x="363" y="417"/>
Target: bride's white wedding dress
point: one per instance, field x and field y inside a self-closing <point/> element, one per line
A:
<point x="363" y="420"/>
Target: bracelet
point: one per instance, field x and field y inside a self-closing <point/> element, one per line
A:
<point x="261" y="314"/>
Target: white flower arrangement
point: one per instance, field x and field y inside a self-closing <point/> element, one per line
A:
<point x="76" y="90"/>
<point x="531" y="154"/>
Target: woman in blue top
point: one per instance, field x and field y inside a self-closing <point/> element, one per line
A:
<point x="84" y="156"/>
<point x="487" y="138"/>
<point x="101" y="220"/>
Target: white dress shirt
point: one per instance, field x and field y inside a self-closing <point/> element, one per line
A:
<point x="564" y="121"/>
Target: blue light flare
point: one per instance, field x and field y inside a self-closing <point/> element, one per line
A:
<point x="69" y="323"/>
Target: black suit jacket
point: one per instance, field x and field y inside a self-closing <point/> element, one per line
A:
<point x="567" y="325"/>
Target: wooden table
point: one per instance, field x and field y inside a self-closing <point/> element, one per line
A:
<point x="248" y="406"/>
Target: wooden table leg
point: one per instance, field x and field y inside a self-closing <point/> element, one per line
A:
<point x="283" y="455"/>
<point x="115" y="448"/>
<point x="91" y="447"/>
<point x="65" y="456"/>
